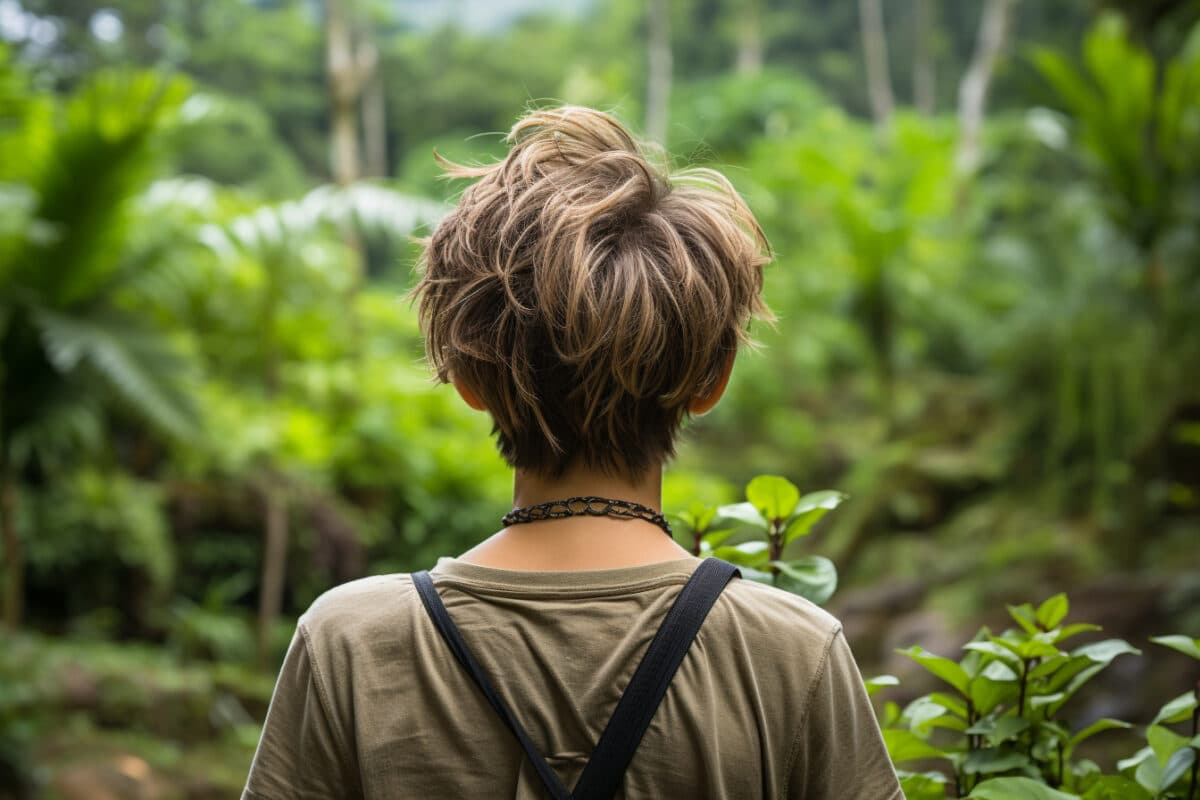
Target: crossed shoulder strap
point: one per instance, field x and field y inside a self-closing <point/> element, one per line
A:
<point x="605" y="769"/>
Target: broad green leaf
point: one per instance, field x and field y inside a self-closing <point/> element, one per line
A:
<point x="1024" y="616"/>
<point x="923" y="786"/>
<point x="1067" y="631"/>
<point x="1136" y="759"/>
<point x="992" y="760"/>
<point x="949" y="671"/>
<point x="904" y="746"/>
<point x="1115" y="787"/>
<point x="1039" y="700"/>
<point x="922" y="713"/>
<point x="1016" y="789"/>
<point x="801" y="524"/>
<point x="774" y="496"/>
<point x="740" y="515"/>
<point x="1165" y="743"/>
<point x="1183" y="644"/>
<point x="994" y="649"/>
<point x="1177" y="710"/>
<point x="1097" y="727"/>
<point x="1149" y="774"/>
<point x="987" y="693"/>
<point x="812" y="577"/>
<point x="1037" y="647"/>
<point x="952" y="704"/>
<point x="747" y="554"/>
<point x="1105" y="651"/>
<point x="1052" y="611"/>
<point x="1176" y="767"/>
<point x="880" y="681"/>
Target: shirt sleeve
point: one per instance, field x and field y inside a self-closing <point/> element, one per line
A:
<point x="302" y="753"/>
<point x="839" y="751"/>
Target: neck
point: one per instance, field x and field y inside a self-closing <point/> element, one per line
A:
<point x="583" y="542"/>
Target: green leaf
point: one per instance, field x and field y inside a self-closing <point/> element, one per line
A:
<point x="1067" y="631"/>
<point x="1096" y="727"/>
<point x="1105" y="651"/>
<point x="1177" y="710"/>
<point x="952" y="704"/>
<point x="746" y="554"/>
<point x="880" y="681"/>
<point x="774" y="496"/>
<point x="1165" y="743"/>
<point x="1024" y="616"/>
<point x="812" y="577"/>
<point x="1115" y="787"/>
<point x="1052" y="611"/>
<point x="811" y="508"/>
<point x="1176" y="767"/>
<point x="991" y="760"/>
<point x="923" y="786"/>
<point x="995" y="649"/>
<point x="1016" y="789"/>
<point x="904" y="746"/>
<point x="738" y="515"/>
<point x="949" y="671"/>
<point x="1183" y="644"/>
<point x="987" y="693"/>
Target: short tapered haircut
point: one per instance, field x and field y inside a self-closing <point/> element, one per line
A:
<point x="586" y="295"/>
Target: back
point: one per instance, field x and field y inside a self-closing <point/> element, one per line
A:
<point x="371" y="703"/>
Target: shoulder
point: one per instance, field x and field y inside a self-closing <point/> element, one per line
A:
<point x="358" y="611"/>
<point x="762" y="609"/>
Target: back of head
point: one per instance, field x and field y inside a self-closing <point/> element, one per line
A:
<point x="586" y="296"/>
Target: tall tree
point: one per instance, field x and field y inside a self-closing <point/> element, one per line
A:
<point x="875" y="54"/>
<point x="924" y="77"/>
<point x="349" y="62"/>
<point x="750" y="38"/>
<point x="994" y="27"/>
<point x="659" y="62"/>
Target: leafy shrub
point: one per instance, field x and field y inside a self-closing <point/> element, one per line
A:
<point x="1001" y="727"/>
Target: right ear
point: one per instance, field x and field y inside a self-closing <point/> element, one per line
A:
<point x="467" y="394"/>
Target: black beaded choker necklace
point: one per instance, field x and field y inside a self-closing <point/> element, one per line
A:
<point x="586" y="506"/>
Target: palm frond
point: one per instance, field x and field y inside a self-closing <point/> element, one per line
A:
<point x="136" y="364"/>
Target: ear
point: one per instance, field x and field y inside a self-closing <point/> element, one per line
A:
<point x="704" y="403"/>
<point x="467" y="394"/>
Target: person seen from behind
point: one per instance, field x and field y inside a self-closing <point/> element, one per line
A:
<point x="588" y="301"/>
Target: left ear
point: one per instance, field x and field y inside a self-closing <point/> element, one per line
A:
<point x="704" y="403"/>
<point x="467" y="394"/>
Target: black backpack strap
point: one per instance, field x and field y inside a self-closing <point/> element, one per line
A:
<point x="605" y="769"/>
<point x="441" y="618"/>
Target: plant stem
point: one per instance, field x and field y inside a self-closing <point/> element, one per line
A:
<point x="1024" y="683"/>
<point x="1195" y="730"/>
<point x="1060" y="765"/>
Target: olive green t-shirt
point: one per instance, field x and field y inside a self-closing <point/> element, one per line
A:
<point x="370" y="702"/>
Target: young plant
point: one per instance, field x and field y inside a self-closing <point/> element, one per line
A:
<point x="1167" y="766"/>
<point x="1002" y="729"/>
<point x="755" y="534"/>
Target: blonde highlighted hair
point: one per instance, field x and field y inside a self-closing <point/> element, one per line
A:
<point x="587" y="296"/>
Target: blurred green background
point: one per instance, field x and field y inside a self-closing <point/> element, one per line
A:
<point x="213" y="404"/>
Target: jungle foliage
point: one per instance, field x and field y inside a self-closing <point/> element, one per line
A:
<point x="213" y="405"/>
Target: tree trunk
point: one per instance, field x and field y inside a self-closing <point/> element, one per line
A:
<point x="14" y="553"/>
<point x="274" y="570"/>
<point x="924" y="77"/>
<point x="658" y="85"/>
<point x="750" y="39"/>
<point x="973" y="91"/>
<point x="875" y="54"/>
<point x="348" y="67"/>
<point x="374" y="120"/>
